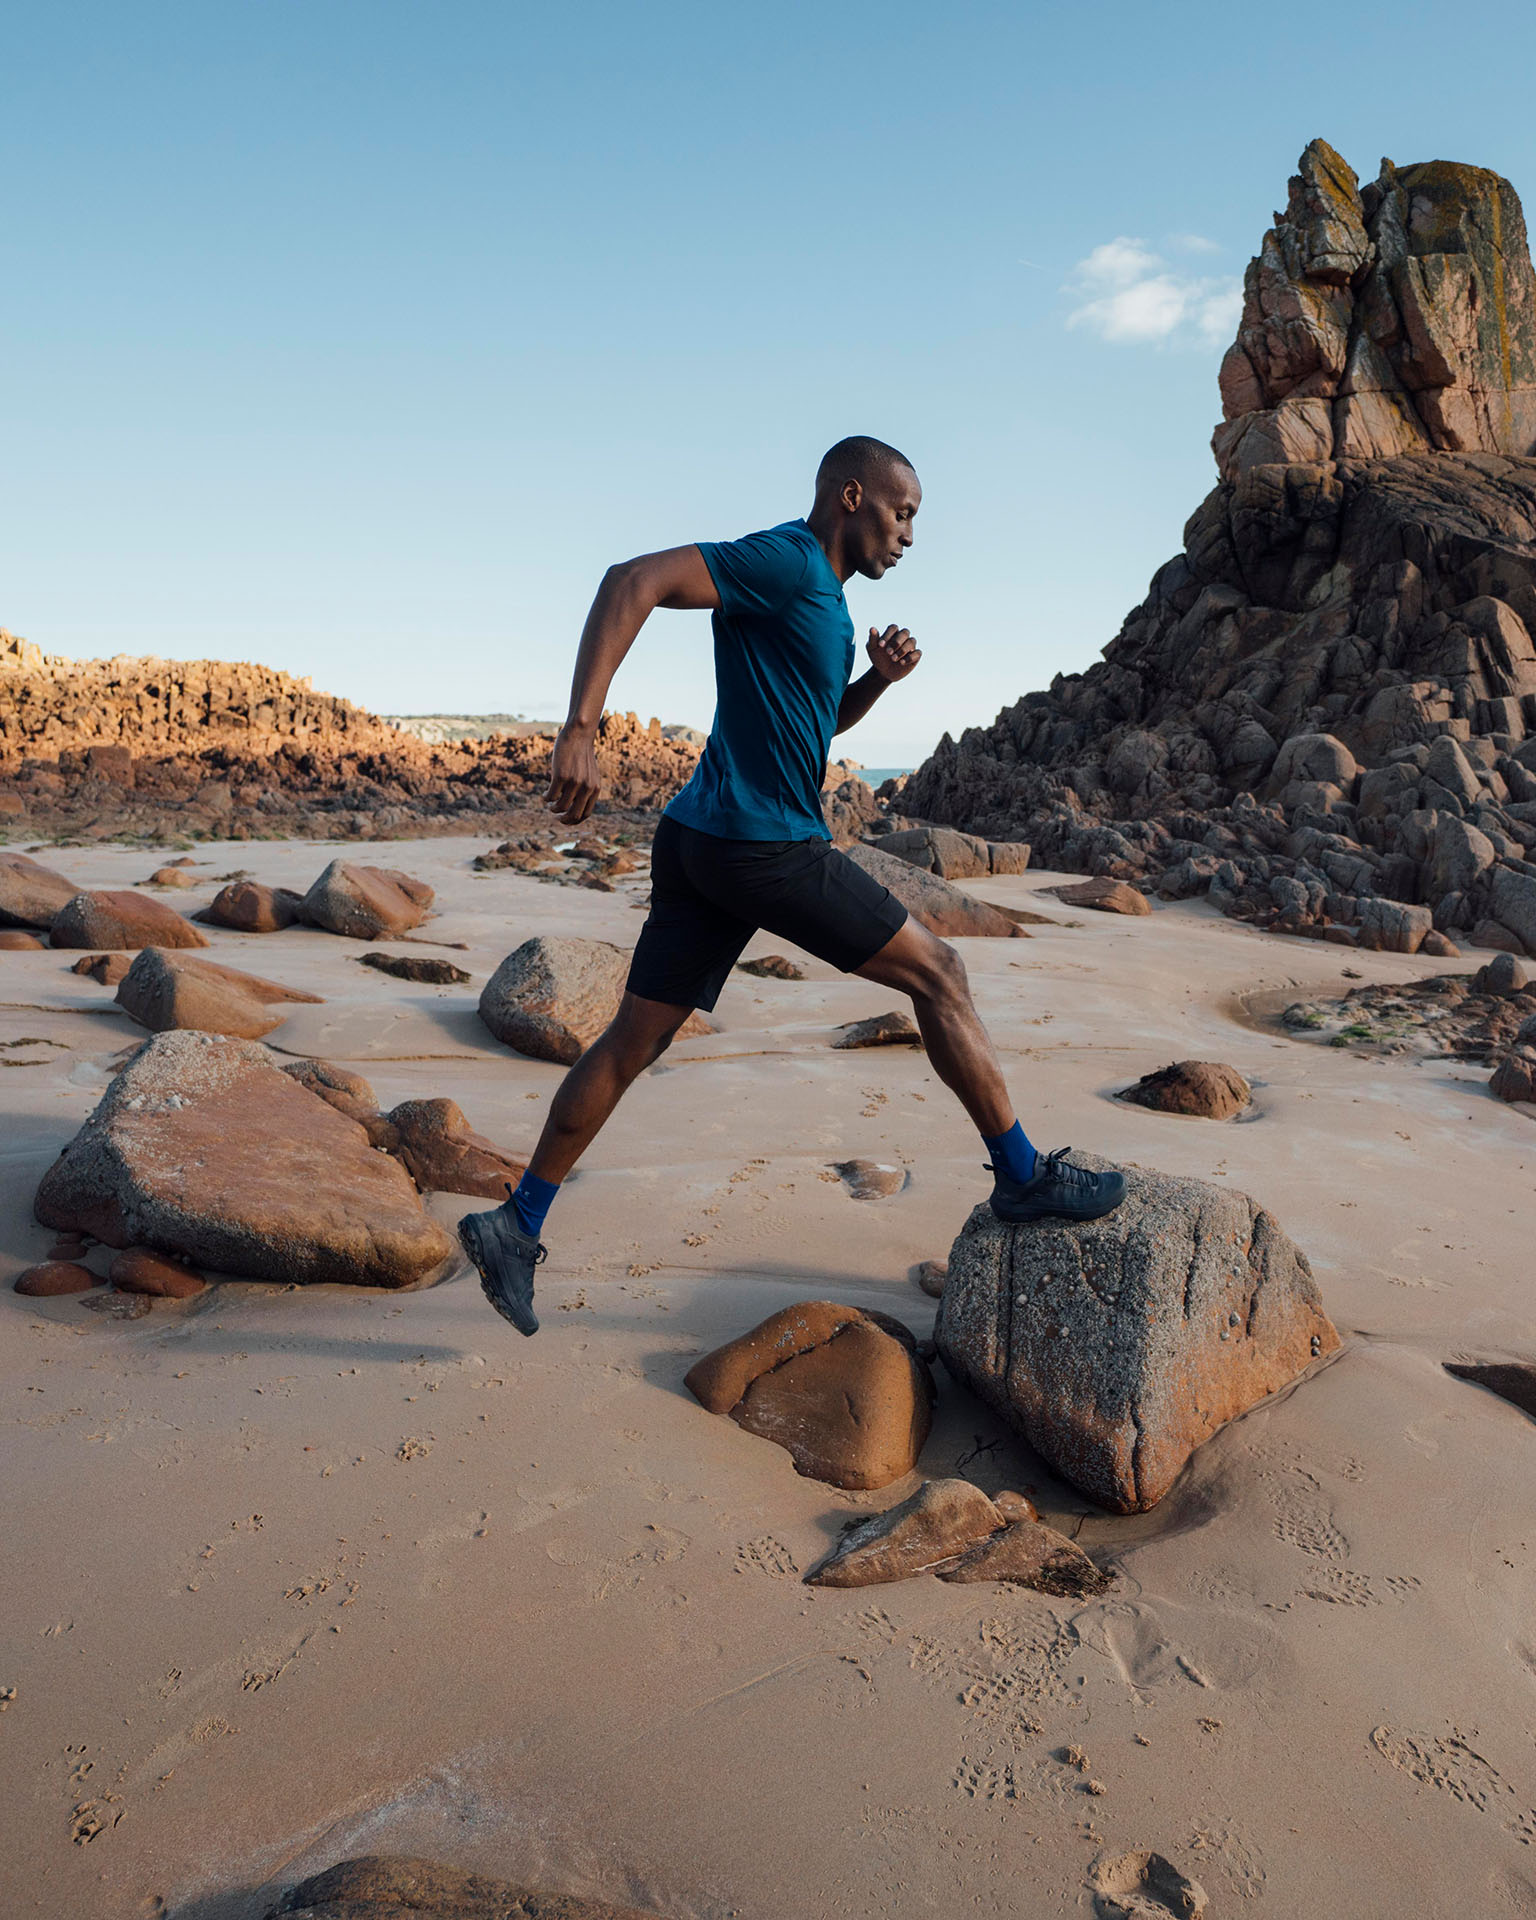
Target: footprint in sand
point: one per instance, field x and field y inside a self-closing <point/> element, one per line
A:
<point x="1304" y="1520"/>
<point x="1454" y="1766"/>
<point x="978" y="1780"/>
<point x="767" y="1556"/>
<point x="1144" y="1886"/>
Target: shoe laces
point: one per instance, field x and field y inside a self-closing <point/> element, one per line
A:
<point x="1056" y="1166"/>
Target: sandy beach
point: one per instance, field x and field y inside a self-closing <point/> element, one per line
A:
<point x="294" y="1574"/>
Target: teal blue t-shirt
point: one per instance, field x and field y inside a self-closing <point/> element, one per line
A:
<point x="783" y="655"/>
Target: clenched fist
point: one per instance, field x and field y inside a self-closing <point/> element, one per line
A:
<point x="893" y="654"/>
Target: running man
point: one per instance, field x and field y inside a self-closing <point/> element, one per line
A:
<point x="744" y="845"/>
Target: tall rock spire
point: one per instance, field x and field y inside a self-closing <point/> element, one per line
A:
<point x="1398" y="318"/>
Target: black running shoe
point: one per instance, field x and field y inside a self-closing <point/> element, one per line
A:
<point x="1056" y="1190"/>
<point x="505" y="1257"/>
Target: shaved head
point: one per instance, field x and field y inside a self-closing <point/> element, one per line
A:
<point x="858" y="458"/>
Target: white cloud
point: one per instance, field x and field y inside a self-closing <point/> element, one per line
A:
<point x="1130" y="296"/>
<point x="1193" y="243"/>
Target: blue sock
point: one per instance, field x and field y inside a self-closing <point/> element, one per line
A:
<point x="1012" y="1152"/>
<point x="532" y="1201"/>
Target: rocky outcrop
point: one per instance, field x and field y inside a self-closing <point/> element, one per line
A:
<point x="203" y="1148"/>
<point x="842" y="1391"/>
<point x="163" y="990"/>
<point x="121" y="920"/>
<point x="1203" y="1089"/>
<point x="554" y="995"/>
<point x="392" y="1886"/>
<point x="1119" y="1346"/>
<point x="1324" y="713"/>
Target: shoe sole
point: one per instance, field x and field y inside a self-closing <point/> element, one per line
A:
<point x="469" y="1240"/>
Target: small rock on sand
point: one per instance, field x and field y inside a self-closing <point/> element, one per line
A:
<point x="1106" y="896"/>
<point x="142" y="1270"/>
<point x="1029" y="1554"/>
<point x="50" y="1277"/>
<point x="365" y="903"/>
<point x="893" y="1029"/>
<point x="106" y="969"/>
<point x="929" y="1275"/>
<point x="1511" y="1380"/>
<point x="246" y="907"/>
<point x="164" y="990"/>
<point x="772" y="966"/>
<point x="420" y="969"/>
<point x="169" y="877"/>
<point x="1204" y="1089"/>
<point x="389" y="1887"/>
<point x="870" y="1179"/>
<point x="554" y="995"/>
<point x="443" y="1154"/>
<point x="17" y="940"/>
<point x="841" y="1391"/>
<point x="932" y="1527"/>
<point x="123" y="921"/>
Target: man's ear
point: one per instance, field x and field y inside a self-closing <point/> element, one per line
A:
<point x="852" y="496"/>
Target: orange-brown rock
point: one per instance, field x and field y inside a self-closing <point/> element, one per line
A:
<point x="30" y="895"/>
<point x="941" y="908"/>
<point x="870" y="1179"/>
<point x="1027" y="1553"/>
<point x="142" y="1270"/>
<point x="554" y="995"/>
<point x="348" y="1093"/>
<point x="1514" y="1078"/>
<point x="202" y="1147"/>
<point x="443" y="1154"/>
<point x="170" y="877"/>
<point x="929" y="1529"/>
<point x="16" y="940"/>
<point x="121" y="920"/>
<point x="106" y="969"/>
<point x="930" y="1276"/>
<point x="392" y="1887"/>
<point x="162" y="990"/>
<point x="1206" y="1089"/>
<point x="50" y="1277"/>
<point x="365" y="903"/>
<point x="1015" y="1506"/>
<point x="772" y="966"/>
<point x="245" y="907"/>
<point x="1119" y="1346"/>
<point x="1106" y="896"/>
<point x="422" y="969"/>
<point x="850" y="1402"/>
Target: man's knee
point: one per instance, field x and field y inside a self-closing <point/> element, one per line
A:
<point x="638" y="1040"/>
<point x="943" y="979"/>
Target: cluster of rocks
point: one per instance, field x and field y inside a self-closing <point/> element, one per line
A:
<point x="358" y="902"/>
<point x="1488" y="1018"/>
<point x="590" y="861"/>
<point x="206" y="1151"/>
<point x="1324" y="712"/>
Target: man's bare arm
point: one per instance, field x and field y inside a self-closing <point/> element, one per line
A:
<point x="630" y="593"/>
<point x="893" y="654"/>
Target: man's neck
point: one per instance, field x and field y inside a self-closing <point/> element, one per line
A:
<point x="828" y="529"/>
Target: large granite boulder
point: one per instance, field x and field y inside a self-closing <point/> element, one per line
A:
<point x="121" y="920"/>
<point x="940" y="850"/>
<point x="842" y="1391"/>
<point x="203" y="1147"/>
<point x="395" y="1887"/>
<point x="941" y="908"/>
<point x="365" y="903"/>
<point x="554" y="995"/>
<point x="30" y="895"/>
<point x="163" y="990"/>
<point x="1119" y="1346"/>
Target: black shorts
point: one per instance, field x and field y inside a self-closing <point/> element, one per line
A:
<point x="709" y="896"/>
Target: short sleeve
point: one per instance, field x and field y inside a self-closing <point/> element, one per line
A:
<point x="757" y="575"/>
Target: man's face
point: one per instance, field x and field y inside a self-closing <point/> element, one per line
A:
<point x="881" y="526"/>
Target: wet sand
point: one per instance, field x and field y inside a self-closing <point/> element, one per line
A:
<point x="297" y="1574"/>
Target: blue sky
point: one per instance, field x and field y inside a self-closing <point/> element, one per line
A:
<point x="358" y="338"/>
